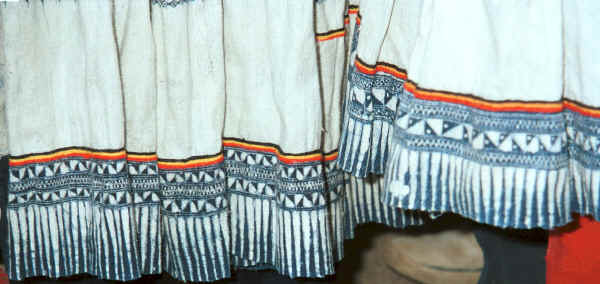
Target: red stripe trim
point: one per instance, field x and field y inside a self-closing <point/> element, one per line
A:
<point x="379" y="67"/>
<point x="285" y="158"/>
<point x="59" y="156"/>
<point x="581" y="109"/>
<point x="474" y="102"/>
<point x="142" y="158"/>
<point x="169" y="164"/>
<point x="332" y="34"/>
<point x="187" y="165"/>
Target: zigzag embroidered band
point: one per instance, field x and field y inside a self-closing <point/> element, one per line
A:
<point x="502" y="163"/>
<point x="75" y="209"/>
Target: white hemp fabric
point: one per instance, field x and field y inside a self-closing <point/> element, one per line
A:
<point x="187" y="137"/>
<point x="488" y="109"/>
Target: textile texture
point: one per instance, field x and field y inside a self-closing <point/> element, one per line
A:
<point x="572" y="252"/>
<point x="3" y="199"/>
<point x="447" y="120"/>
<point x="168" y="136"/>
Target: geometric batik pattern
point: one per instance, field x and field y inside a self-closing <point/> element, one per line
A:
<point x="61" y="213"/>
<point x="369" y="110"/>
<point x="194" y="222"/>
<point x="280" y="207"/>
<point x="122" y="215"/>
<point x="507" y="169"/>
<point x="117" y="219"/>
<point x="368" y="122"/>
<point x="583" y="134"/>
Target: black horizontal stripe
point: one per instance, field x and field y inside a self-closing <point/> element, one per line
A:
<point x="480" y="98"/>
<point x="389" y="65"/>
<point x="56" y="151"/>
<point x="190" y="158"/>
<point x="277" y="147"/>
<point x="141" y="153"/>
<point x="330" y="32"/>
<point x="582" y="105"/>
<point x="370" y="66"/>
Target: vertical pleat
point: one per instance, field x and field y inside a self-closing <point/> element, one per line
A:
<point x="495" y="195"/>
<point x="368" y="114"/>
<point x="195" y="246"/>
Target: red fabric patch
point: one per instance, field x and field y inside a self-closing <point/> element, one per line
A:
<point x="3" y="276"/>
<point x="573" y="254"/>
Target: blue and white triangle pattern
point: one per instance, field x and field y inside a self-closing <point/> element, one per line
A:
<point x="584" y="149"/>
<point x="508" y="139"/>
<point x="369" y="112"/>
<point x="66" y="179"/>
<point x="369" y="107"/>
<point x="301" y="186"/>
<point x="195" y="191"/>
<point x="507" y="169"/>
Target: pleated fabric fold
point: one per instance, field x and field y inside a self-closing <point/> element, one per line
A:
<point x="371" y="93"/>
<point x="295" y="217"/>
<point x="583" y="133"/>
<point x="489" y="154"/>
<point x="449" y="158"/>
<point x="370" y="107"/>
<point x="124" y="166"/>
<point x="368" y="112"/>
<point x="440" y="165"/>
<point x="469" y="127"/>
<point x="115" y="219"/>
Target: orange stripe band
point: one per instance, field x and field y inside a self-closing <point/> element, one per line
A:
<point x="581" y="109"/>
<point x="286" y="158"/>
<point x="391" y="69"/>
<point x="169" y="164"/>
<point x="194" y="163"/>
<point x="331" y="35"/>
<point x="331" y="156"/>
<point x="468" y="100"/>
<point x="379" y="67"/>
<point x="141" y="157"/>
<point x="72" y="152"/>
<point x="472" y="101"/>
<point x="506" y="106"/>
<point x="363" y="67"/>
<point x="346" y="20"/>
<point x="352" y="9"/>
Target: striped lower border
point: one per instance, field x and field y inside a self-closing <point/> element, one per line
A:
<point x="119" y="215"/>
<point x="369" y="111"/>
<point x="329" y="35"/>
<point x="523" y="165"/>
<point x="504" y="197"/>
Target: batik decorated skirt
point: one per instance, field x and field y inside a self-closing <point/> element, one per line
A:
<point x="486" y="109"/>
<point x="191" y="137"/>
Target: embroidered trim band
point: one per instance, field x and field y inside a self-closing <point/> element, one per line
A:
<point x="121" y="215"/>
<point x="370" y="107"/>
<point x="331" y="34"/>
<point x="508" y="164"/>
